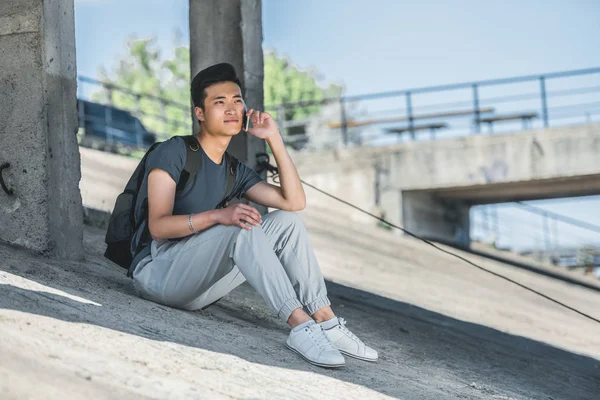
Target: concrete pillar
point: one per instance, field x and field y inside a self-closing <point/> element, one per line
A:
<point x="430" y="217"/>
<point x="38" y="124"/>
<point x="231" y="31"/>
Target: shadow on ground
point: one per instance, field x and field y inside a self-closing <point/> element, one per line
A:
<point x="424" y="354"/>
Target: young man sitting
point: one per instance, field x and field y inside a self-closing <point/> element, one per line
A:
<point x="198" y="253"/>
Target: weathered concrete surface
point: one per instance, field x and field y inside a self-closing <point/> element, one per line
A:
<point x="231" y="31"/>
<point x="535" y="164"/>
<point x="441" y="334"/>
<point x="38" y="123"/>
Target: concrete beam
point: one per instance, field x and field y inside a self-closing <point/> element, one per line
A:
<point x="486" y="160"/>
<point x="539" y="189"/>
<point x="38" y="124"/>
<point x="231" y="31"/>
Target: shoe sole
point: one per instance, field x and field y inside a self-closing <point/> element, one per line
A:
<point x="313" y="362"/>
<point x="358" y="357"/>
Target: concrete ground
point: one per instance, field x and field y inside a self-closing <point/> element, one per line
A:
<point x="75" y="329"/>
<point x="444" y="329"/>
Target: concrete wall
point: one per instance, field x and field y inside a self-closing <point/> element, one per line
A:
<point x="345" y="174"/>
<point x="38" y="123"/>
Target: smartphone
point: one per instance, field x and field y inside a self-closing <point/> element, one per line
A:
<point x="246" y="121"/>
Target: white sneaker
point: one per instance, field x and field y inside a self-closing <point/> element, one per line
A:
<point x="311" y="344"/>
<point x="348" y="343"/>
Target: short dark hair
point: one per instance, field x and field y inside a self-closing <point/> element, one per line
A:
<point x="217" y="73"/>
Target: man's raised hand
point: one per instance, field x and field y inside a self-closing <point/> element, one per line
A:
<point x="263" y="125"/>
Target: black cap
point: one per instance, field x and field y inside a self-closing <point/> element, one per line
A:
<point x="223" y="72"/>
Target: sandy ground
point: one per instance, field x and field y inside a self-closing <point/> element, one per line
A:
<point x="71" y="330"/>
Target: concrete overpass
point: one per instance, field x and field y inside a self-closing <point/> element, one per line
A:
<point x="428" y="187"/>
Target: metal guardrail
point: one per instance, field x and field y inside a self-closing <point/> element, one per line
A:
<point x="473" y="108"/>
<point x="110" y="87"/>
<point x="561" y="98"/>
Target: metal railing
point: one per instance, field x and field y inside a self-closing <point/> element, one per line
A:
<point x="427" y="113"/>
<point x="561" y="98"/>
<point x="547" y="236"/>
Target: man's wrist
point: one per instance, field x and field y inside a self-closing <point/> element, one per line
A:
<point x="275" y="140"/>
<point x="215" y="216"/>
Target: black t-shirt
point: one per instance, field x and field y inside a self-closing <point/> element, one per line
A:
<point x="204" y="194"/>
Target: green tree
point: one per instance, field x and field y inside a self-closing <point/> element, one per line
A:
<point x="285" y="83"/>
<point x="145" y="70"/>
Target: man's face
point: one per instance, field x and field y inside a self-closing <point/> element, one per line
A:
<point x="223" y="109"/>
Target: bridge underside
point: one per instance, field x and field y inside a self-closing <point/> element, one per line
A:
<point x="443" y="214"/>
<point x="583" y="185"/>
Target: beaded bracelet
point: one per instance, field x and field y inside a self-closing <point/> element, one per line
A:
<point x="190" y="224"/>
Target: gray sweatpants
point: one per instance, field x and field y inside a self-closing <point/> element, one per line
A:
<point x="275" y="258"/>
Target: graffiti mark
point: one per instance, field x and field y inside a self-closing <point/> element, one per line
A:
<point x="495" y="172"/>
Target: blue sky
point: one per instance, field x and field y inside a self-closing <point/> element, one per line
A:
<point x="380" y="45"/>
<point x="391" y="44"/>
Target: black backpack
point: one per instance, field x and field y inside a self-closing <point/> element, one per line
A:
<point x="122" y="224"/>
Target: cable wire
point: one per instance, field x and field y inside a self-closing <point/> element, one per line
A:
<point x="264" y="165"/>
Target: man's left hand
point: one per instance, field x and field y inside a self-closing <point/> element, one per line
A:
<point x="263" y="125"/>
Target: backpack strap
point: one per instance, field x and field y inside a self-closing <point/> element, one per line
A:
<point x="233" y="164"/>
<point x="193" y="163"/>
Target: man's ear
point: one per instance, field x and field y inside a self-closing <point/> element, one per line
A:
<point x="199" y="113"/>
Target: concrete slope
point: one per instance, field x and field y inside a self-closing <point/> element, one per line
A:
<point x="351" y="246"/>
<point x="443" y="328"/>
<point x="411" y="271"/>
<point x="76" y="329"/>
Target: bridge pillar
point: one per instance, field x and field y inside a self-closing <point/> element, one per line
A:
<point x="231" y="31"/>
<point x="40" y="207"/>
<point x="430" y="217"/>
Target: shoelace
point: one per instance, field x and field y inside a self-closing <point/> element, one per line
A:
<point x="348" y="331"/>
<point x="318" y="336"/>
